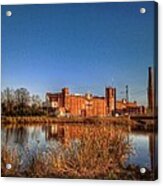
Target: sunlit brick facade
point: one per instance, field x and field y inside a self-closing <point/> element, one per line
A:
<point x="83" y="105"/>
<point x="90" y="105"/>
<point x="123" y="107"/>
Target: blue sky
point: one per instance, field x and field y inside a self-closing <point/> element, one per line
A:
<point x="81" y="46"/>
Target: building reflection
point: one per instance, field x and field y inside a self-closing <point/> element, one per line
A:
<point x="54" y="132"/>
<point x="66" y="133"/>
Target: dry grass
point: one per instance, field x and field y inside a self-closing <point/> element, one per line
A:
<point x="99" y="154"/>
<point x="88" y="120"/>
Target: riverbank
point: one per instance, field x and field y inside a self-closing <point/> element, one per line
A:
<point x="121" y="121"/>
<point x="81" y="120"/>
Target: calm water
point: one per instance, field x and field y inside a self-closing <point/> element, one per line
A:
<point x="39" y="138"/>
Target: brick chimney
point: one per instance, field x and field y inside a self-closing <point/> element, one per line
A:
<point x="150" y="89"/>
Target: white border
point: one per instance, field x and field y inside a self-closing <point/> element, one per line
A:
<point x="58" y="182"/>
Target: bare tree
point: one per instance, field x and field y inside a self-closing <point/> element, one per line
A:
<point x="22" y="98"/>
<point x="7" y="101"/>
<point x="36" y="105"/>
<point x="20" y="103"/>
<point x="36" y="101"/>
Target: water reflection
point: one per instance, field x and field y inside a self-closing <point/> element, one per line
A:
<point x="40" y="138"/>
<point x="54" y="132"/>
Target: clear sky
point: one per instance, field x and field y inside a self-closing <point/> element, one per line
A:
<point x="81" y="46"/>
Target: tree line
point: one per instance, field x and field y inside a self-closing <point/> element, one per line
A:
<point x="20" y="102"/>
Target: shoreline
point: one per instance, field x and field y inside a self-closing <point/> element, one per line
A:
<point x="82" y="120"/>
<point x="118" y="121"/>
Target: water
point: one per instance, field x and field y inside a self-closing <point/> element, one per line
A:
<point x="29" y="140"/>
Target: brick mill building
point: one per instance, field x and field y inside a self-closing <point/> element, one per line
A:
<point x="90" y="105"/>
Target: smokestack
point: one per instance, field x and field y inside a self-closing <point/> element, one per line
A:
<point x="150" y="89"/>
<point x="127" y="94"/>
